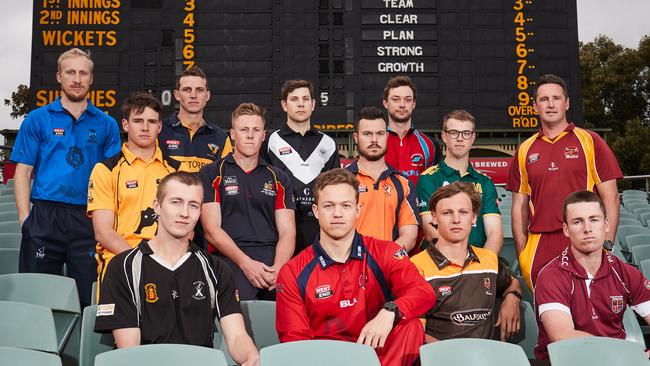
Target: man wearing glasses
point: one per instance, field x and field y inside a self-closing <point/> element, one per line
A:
<point x="458" y="135"/>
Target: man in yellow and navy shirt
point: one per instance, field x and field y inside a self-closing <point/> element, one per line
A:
<point x="188" y="137"/>
<point x="466" y="279"/>
<point x="122" y="188"/>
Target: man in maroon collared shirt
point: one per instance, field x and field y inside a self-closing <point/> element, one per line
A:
<point x="584" y="291"/>
<point x="350" y="287"/>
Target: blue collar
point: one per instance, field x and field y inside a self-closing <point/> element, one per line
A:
<point x="358" y="251"/>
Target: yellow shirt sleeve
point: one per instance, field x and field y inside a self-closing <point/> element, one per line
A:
<point x="101" y="189"/>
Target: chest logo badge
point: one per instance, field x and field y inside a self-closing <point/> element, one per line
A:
<point x="617" y="304"/>
<point x="533" y="157"/>
<point x="285" y="150"/>
<point x="173" y="144"/>
<point x="268" y="189"/>
<point x="150" y="293"/>
<point x="417" y="160"/>
<point x="74" y="157"/>
<point x="324" y="291"/>
<point x="58" y="131"/>
<point x="445" y="290"/>
<point x="571" y="152"/>
<point x="198" y="290"/>
<point x="214" y="149"/>
<point x="553" y="167"/>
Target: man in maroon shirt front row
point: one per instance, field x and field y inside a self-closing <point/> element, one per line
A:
<point x="350" y="287"/>
<point x="584" y="291"/>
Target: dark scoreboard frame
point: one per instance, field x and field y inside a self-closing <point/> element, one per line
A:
<point x="483" y="56"/>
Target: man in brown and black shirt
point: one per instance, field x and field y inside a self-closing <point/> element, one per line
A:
<point x="466" y="279"/>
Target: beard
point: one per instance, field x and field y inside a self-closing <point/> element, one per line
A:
<point x="370" y="155"/>
<point x="74" y="97"/>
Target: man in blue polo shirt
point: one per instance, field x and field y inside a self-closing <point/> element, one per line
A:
<point x="248" y="209"/>
<point x="60" y="143"/>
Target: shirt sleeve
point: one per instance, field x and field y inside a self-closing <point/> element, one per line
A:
<point x="291" y="319"/>
<point x="28" y="142"/>
<point x="211" y="180"/>
<point x="113" y="142"/>
<point x="489" y="200"/>
<point x="408" y="214"/>
<point x="227" y="295"/>
<point x="414" y="295"/>
<point x="425" y="190"/>
<point x="116" y="308"/>
<point x="552" y="292"/>
<point x="284" y="194"/>
<point x="607" y="167"/>
<point x="101" y="190"/>
<point x="639" y="291"/>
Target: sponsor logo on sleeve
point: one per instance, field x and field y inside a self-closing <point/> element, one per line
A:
<point x="105" y="310"/>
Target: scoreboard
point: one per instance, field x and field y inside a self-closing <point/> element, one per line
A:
<point x="482" y="56"/>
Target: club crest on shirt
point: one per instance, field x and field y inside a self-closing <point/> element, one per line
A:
<point x="269" y="189"/>
<point x="198" y="290"/>
<point x="617" y="304"/>
<point x="487" y="283"/>
<point x="533" y="157"/>
<point x="387" y="190"/>
<point x="646" y="284"/>
<point x="74" y="157"/>
<point x="214" y="148"/>
<point x="363" y="280"/>
<point x="285" y="150"/>
<point x="150" y="293"/>
<point x="571" y="152"/>
<point x="324" y="291"/>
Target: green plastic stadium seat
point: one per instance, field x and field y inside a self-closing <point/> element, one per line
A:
<point x="93" y="294"/>
<point x="7" y="199"/>
<point x="10" y="183"/>
<point x="635" y="240"/>
<point x="632" y="205"/>
<point x="26" y="357"/>
<point x="162" y="355"/>
<point x="627" y="215"/>
<point x="635" y="192"/>
<point x="640" y="211"/>
<point x="55" y="292"/>
<point x="260" y="322"/>
<point x="640" y="252"/>
<point x="472" y="351"/>
<point x="625" y="230"/>
<point x="9" y="260"/>
<point x="632" y="328"/>
<point x="6" y="192"/>
<point x="318" y="353"/>
<point x="10" y="240"/>
<point x="644" y="266"/>
<point x="626" y="221"/>
<point x="616" y="251"/>
<point x="92" y="343"/>
<point x="526" y="338"/>
<point x="10" y="227"/>
<point x="644" y="218"/>
<point x="27" y="326"/>
<point x="596" y="351"/>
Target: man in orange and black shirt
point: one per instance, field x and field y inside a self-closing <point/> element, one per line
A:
<point x="122" y="188"/>
<point x="388" y="199"/>
<point x="466" y="279"/>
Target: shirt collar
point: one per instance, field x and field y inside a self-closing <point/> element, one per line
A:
<point x="175" y="122"/>
<point x="570" y="264"/>
<point x="358" y="251"/>
<point x="569" y="128"/>
<point x="410" y="131"/>
<point x="56" y="106"/>
<point x="285" y="130"/>
<point x="231" y="160"/>
<point x="130" y="156"/>
<point x="441" y="261"/>
<point x="451" y="172"/>
<point x="145" y="248"/>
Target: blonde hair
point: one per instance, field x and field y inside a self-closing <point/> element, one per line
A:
<point x="75" y="52"/>
<point x="248" y="109"/>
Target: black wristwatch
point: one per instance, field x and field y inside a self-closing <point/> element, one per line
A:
<point x="392" y="307"/>
<point x="514" y="292"/>
<point x="608" y="245"/>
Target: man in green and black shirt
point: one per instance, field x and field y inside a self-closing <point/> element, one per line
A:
<point x="458" y="135"/>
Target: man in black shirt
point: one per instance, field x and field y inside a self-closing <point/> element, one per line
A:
<point x="248" y="209"/>
<point x="168" y="290"/>
<point x="303" y="153"/>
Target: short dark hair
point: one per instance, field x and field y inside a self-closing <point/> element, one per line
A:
<point x="551" y="79"/>
<point x="248" y="109"/>
<point x="582" y="196"/>
<point x="453" y="189"/>
<point x="459" y="114"/>
<point x="291" y="85"/>
<point x="187" y="178"/>
<point x="192" y="71"/>
<point x="370" y="113"/>
<point x="396" y="82"/>
<point x="335" y="176"/>
<point x="138" y="101"/>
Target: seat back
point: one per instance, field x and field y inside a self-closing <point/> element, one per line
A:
<point x="639" y="253"/>
<point x="644" y="266"/>
<point x="640" y="211"/>
<point x="644" y="218"/>
<point x="10" y="240"/>
<point x="9" y="260"/>
<point x="8" y="206"/>
<point x="625" y="230"/>
<point x="162" y="355"/>
<point x="632" y="328"/>
<point x="630" y="206"/>
<point x="260" y="322"/>
<point x="472" y="351"/>
<point x="626" y="221"/>
<point x="596" y="351"/>
<point x="27" y="326"/>
<point x="529" y="330"/>
<point x="26" y="357"/>
<point x="52" y="291"/>
<point x="10" y="227"/>
<point x="627" y="215"/>
<point x="92" y="343"/>
<point x="634" y="240"/>
<point x="318" y="352"/>
<point x="8" y="215"/>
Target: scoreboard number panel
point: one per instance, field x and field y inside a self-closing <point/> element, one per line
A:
<point x="483" y="56"/>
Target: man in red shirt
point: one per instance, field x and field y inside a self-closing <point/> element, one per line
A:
<point x="409" y="151"/>
<point x="585" y="290"/>
<point x="351" y="287"/>
<point x="559" y="159"/>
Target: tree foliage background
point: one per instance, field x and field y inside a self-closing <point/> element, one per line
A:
<point x="616" y="94"/>
<point x="18" y="102"/>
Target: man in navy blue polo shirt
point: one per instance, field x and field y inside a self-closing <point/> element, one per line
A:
<point x="248" y="209"/>
<point x="60" y="143"/>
